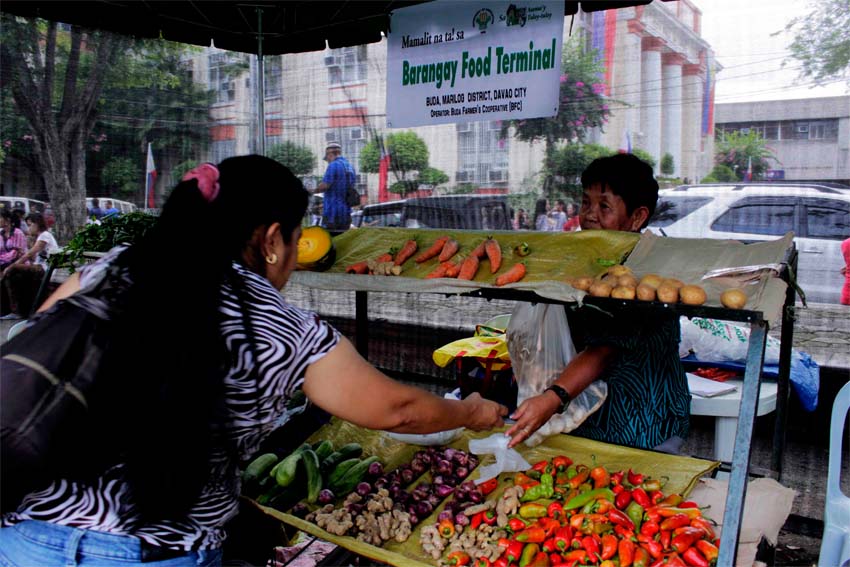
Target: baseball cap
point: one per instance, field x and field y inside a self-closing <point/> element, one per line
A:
<point x="333" y="146"/>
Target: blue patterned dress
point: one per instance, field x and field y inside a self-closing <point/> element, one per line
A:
<point x="648" y="399"/>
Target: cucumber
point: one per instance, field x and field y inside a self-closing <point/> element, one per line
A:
<point x="352" y="477"/>
<point x="323" y="449"/>
<point x="339" y="471"/>
<point x="284" y="471"/>
<point x="258" y="468"/>
<point x="310" y="461"/>
<point x="349" y="451"/>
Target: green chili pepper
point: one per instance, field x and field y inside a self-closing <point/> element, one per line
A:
<point x="532" y="510"/>
<point x="548" y="482"/>
<point x="533" y="474"/>
<point x="571" y="471"/>
<point x="635" y="513"/>
<point x="585" y="497"/>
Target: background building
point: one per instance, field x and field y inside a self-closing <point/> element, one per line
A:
<point x="810" y="137"/>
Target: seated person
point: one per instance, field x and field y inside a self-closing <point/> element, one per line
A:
<point x="22" y="278"/>
<point x="648" y="403"/>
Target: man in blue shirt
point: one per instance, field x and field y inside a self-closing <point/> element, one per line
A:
<point x="338" y="177"/>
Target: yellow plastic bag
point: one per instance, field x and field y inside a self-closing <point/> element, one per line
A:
<point x="489" y="350"/>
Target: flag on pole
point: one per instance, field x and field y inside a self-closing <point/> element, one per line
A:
<point x="708" y="99"/>
<point x="150" y="179"/>
<point x="626" y="143"/>
<point x="383" y="172"/>
<point x="749" y="175"/>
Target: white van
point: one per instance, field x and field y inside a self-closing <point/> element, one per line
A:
<point x="29" y="206"/>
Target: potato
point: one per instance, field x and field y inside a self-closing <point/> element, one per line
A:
<point x="692" y="295"/>
<point x="733" y="298"/>
<point x="627" y="280"/>
<point x="600" y="289"/>
<point x="645" y="292"/>
<point x="653" y="280"/>
<point x="672" y="282"/>
<point x="619" y="270"/>
<point x="623" y="292"/>
<point x="583" y="283"/>
<point x="667" y="293"/>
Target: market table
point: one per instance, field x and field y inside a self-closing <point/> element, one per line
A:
<point x="558" y="256"/>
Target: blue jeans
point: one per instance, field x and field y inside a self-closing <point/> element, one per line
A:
<point x="34" y="543"/>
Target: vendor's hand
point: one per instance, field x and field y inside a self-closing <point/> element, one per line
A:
<point x="483" y="414"/>
<point x="530" y="416"/>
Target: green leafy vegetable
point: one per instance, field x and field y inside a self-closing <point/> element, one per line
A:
<point x="112" y="231"/>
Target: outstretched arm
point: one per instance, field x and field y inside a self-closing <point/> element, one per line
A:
<point x="344" y="384"/>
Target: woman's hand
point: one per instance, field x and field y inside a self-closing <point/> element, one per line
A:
<point x="483" y="414"/>
<point x="531" y="415"/>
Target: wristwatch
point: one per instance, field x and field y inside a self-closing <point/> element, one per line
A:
<point x="562" y="394"/>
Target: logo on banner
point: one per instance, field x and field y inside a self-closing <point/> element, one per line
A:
<point x="483" y="18"/>
<point x="514" y="16"/>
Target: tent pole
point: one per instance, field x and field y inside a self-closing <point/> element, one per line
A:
<point x="261" y="88"/>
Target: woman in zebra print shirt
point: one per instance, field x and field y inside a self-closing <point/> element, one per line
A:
<point x="204" y="357"/>
<point x="648" y="403"/>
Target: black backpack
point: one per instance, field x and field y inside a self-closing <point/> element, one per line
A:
<point x="50" y="372"/>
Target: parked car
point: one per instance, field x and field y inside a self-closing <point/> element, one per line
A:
<point x="465" y="212"/>
<point x="818" y="215"/>
<point x="29" y="206"/>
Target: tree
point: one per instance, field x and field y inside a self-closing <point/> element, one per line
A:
<point x="56" y="83"/>
<point x="299" y="159"/>
<point x="720" y="174"/>
<point x="737" y="150"/>
<point x="822" y="41"/>
<point x="667" y="165"/>
<point x="432" y="176"/>
<point x="408" y="153"/>
<point x="122" y="175"/>
<point x="582" y="106"/>
<point x="645" y="156"/>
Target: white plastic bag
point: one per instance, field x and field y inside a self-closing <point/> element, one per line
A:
<point x="541" y="346"/>
<point x="720" y="341"/>
<point x="507" y="460"/>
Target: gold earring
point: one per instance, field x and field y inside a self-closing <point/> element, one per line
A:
<point x="271" y="259"/>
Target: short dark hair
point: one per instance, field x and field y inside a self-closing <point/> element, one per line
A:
<point x="628" y="177"/>
<point x="38" y="219"/>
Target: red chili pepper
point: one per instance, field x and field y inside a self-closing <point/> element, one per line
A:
<point x="623" y="532"/>
<point x="652" y="484"/>
<point x="617" y="477"/>
<point x="705" y="525"/>
<point x="561" y="463"/>
<point x="489" y="517"/>
<point x="501" y="562"/>
<point x="688" y="504"/>
<point x="649" y="529"/>
<point x="458" y="558"/>
<point x="619" y="519"/>
<point x="483" y="562"/>
<point x="531" y="535"/>
<point x="666" y="536"/>
<point x="708" y="549"/>
<point x="549" y="546"/>
<point x="686" y="539"/>
<point x="446" y="528"/>
<point x="540" y="466"/>
<point x="590" y="545"/>
<point x="517" y="524"/>
<point x="653" y="547"/>
<point x="555" y="510"/>
<point x="555" y="559"/>
<point x="514" y="551"/>
<point x="488" y="486"/>
<point x="676" y="521"/>
<point x="656" y="497"/>
<point x="669" y="511"/>
<point x="540" y="560"/>
<point x="476" y="520"/>
<point x="582" y="473"/>
<point x="609" y="546"/>
<point x="623" y="498"/>
<point x="549" y="526"/>
<point x="639" y="495"/>
<point x="576" y="555"/>
<point x="635" y="479"/>
<point x="694" y="558"/>
<point x="617" y="488"/>
<point x="577" y="521"/>
<point x="652" y="515"/>
<point x="563" y="537"/>
<point x="626" y="552"/>
<point x="523" y="480"/>
<point x="601" y="477"/>
<point x="641" y="557"/>
<point x="608" y="563"/>
<point x="673" y="560"/>
<point x="672" y="500"/>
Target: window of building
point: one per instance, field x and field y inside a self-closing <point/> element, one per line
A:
<point x="219" y="80"/>
<point x="346" y="65"/>
<point x="222" y="150"/>
<point x="273" y="77"/>
<point x="482" y="155"/>
<point x="768" y="218"/>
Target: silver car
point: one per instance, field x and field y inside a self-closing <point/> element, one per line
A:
<point x="818" y="215"/>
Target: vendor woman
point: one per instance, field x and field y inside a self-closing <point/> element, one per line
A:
<point x="648" y="400"/>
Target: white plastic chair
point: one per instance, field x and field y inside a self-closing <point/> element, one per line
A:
<point x="835" y="546"/>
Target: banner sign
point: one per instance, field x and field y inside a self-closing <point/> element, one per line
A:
<point x="453" y="62"/>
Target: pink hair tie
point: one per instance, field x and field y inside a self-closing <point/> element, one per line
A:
<point x="206" y="175"/>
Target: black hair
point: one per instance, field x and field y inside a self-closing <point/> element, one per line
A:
<point x="13" y="217"/>
<point x="539" y="208"/>
<point x="626" y="176"/>
<point x="38" y="219"/>
<point x="168" y="351"/>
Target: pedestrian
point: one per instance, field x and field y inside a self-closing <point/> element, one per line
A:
<point x="14" y="241"/>
<point x="206" y="353"/>
<point x="110" y="209"/>
<point x="21" y="280"/>
<point x="95" y="211"/>
<point x="572" y="219"/>
<point x="845" y="290"/>
<point x="541" y="216"/>
<point x="339" y="176"/>
<point x="559" y="216"/>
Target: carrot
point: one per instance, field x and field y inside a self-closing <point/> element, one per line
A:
<point x="469" y="268"/>
<point x="384" y="258"/>
<point x="479" y="250"/>
<point x="358" y="268"/>
<point x="435" y="249"/>
<point x="449" y="250"/>
<point x="516" y="273"/>
<point x="408" y="250"/>
<point x="439" y="272"/>
<point x="452" y="269"/>
<point x="494" y="253"/>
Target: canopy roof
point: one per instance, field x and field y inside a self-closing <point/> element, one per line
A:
<point x="293" y="26"/>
